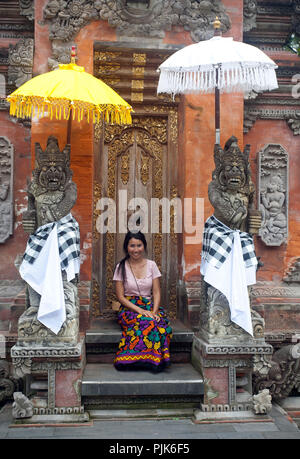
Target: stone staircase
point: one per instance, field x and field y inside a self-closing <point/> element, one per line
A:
<point x="110" y="394"/>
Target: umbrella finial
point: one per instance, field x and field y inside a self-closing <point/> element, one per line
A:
<point x="73" y="54"/>
<point x="217" y="26"/>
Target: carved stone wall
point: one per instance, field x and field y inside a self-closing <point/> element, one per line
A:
<point x="20" y="62"/>
<point x="149" y="18"/>
<point x="6" y="189"/>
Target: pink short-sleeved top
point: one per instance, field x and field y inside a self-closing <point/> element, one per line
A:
<point x="145" y="284"/>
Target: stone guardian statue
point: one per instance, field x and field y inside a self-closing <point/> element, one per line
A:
<point x="50" y="264"/>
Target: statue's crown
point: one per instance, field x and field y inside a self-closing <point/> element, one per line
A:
<point x="231" y="154"/>
<point x="52" y="155"/>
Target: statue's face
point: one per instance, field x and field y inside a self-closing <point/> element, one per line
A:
<point x="52" y="177"/>
<point x="234" y="176"/>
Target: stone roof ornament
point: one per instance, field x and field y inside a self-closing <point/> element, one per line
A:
<point x="147" y="18"/>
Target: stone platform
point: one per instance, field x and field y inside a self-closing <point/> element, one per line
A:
<point x="108" y="393"/>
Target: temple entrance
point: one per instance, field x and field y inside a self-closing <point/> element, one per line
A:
<point x="135" y="180"/>
<point x="137" y="170"/>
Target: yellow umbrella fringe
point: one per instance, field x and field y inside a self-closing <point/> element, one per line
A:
<point x="22" y="107"/>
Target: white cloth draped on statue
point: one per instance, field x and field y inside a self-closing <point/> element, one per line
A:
<point x="232" y="276"/>
<point x="44" y="275"/>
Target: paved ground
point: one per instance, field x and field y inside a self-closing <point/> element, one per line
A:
<point x="279" y="426"/>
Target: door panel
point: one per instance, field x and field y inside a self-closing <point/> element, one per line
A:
<point x="137" y="161"/>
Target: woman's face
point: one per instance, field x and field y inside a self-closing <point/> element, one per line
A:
<point x="135" y="248"/>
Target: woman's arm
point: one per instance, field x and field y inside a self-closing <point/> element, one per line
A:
<point x="123" y="300"/>
<point x="156" y="296"/>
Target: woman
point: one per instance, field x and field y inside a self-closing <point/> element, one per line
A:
<point x="146" y="332"/>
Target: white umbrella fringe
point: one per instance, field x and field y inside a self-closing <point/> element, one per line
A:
<point x="231" y="78"/>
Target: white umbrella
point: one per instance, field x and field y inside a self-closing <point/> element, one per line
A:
<point x="217" y="65"/>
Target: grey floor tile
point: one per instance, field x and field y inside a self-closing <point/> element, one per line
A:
<point x="240" y="435"/>
<point x="255" y="427"/>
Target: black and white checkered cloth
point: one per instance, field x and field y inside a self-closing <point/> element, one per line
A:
<point x="68" y="240"/>
<point x="218" y="242"/>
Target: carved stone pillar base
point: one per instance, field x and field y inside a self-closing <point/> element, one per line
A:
<point x="227" y="375"/>
<point x="54" y="381"/>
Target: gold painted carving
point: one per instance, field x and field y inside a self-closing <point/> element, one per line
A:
<point x="96" y="212"/>
<point x="173" y="195"/>
<point x="96" y="298"/>
<point x="139" y="58"/>
<point x="138" y="71"/>
<point x="145" y="160"/>
<point x="137" y="97"/>
<point x="137" y="84"/>
<point x="106" y="56"/>
<point x="125" y="167"/>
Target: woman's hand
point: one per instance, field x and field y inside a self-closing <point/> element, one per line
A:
<point x="150" y="314"/>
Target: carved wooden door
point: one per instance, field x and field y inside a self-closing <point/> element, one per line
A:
<point x="136" y="166"/>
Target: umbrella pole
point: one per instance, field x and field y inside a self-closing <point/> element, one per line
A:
<point x="217" y="33"/>
<point x="69" y="128"/>
<point x="217" y="115"/>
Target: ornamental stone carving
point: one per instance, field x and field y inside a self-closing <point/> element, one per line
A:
<point x="216" y="325"/>
<point x="20" y="62"/>
<point x="6" y="189"/>
<point x="252" y="113"/>
<point x="8" y="384"/>
<point x="262" y="402"/>
<point x="283" y="374"/>
<point x="22" y="406"/>
<point x="273" y="194"/>
<point x="136" y="18"/>
<point x="250" y="12"/>
<point x="27" y="8"/>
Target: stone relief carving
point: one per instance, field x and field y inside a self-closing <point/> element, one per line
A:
<point x="6" y="189"/>
<point x="216" y="325"/>
<point x="27" y="8"/>
<point x="291" y="116"/>
<point x="273" y="194"/>
<point x="250" y="11"/>
<point x="8" y="384"/>
<point x="283" y="374"/>
<point x="51" y="196"/>
<point x="146" y="18"/>
<point x="22" y="406"/>
<point x="262" y="402"/>
<point x="20" y="62"/>
<point x="136" y="18"/>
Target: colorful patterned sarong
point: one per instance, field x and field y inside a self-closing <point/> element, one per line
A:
<point x="145" y="342"/>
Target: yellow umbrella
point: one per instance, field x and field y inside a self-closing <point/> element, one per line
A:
<point x="69" y="92"/>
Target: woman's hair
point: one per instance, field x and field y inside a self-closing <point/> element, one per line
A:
<point x="140" y="236"/>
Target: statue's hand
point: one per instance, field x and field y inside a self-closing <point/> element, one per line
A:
<point x="29" y="221"/>
<point x="254" y="221"/>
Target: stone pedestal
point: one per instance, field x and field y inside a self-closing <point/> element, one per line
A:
<point x="54" y="376"/>
<point x="226" y="356"/>
<point x="227" y="375"/>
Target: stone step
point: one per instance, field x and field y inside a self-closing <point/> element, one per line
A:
<point x="103" y="338"/>
<point x="103" y="380"/>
